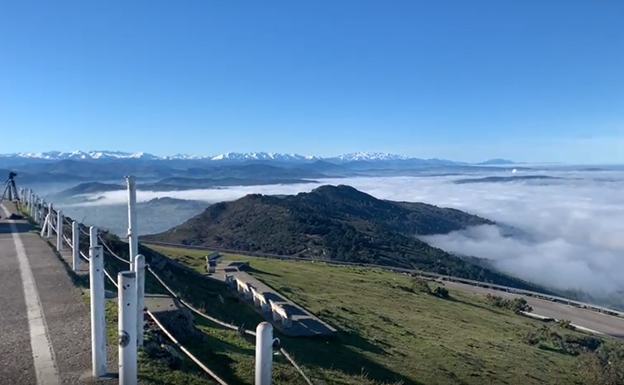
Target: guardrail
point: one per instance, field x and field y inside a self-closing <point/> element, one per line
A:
<point x="528" y="293"/>
<point x="52" y="221"/>
<point x="131" y="302"/>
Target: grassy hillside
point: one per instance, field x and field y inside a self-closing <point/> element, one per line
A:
<point x="337" y="223"/>
<point x="390" y="332"/>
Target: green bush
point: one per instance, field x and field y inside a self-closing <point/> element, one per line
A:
<point x="517" y="305"/>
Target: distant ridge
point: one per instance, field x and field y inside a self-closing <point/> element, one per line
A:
<point x="339" y="223"/>
<point x="235" y="157"/>
<point x="497" y="161"/>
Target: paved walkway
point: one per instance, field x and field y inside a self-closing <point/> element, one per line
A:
<point x="44" y="323"/>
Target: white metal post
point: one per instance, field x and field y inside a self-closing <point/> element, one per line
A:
<point x="46" y="224"/>
<point x="32" y="205"/>
<point x="75" y="246"/>
<point x="41" y="212"/>
<point x="59" y="230"/>
<point x="36" y="210"/>
<point x="93" y="240"/>
<point x="264" y="353"/>
<point x="133" y="239"/>
<point x="127" y="329"/>
<point x="98" y="326"/>
<point x="50" y="220"/>
<point x="139" y="269"/>
<point x="33" y="213"/>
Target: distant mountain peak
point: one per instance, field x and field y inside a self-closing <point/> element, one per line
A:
<point x="237" y="157"/>
<point x="497" y="161"/>
<point x="261" y="156"/>
<point x="369" y="156"/>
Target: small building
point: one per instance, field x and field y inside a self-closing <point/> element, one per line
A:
<point x="212" y="260"/>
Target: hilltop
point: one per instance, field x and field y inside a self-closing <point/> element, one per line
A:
<point x="336" y="223"/>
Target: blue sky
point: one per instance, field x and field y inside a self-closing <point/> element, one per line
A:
<point x="468" y="80"/>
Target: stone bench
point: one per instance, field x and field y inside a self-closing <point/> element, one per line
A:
<point x="250" y="293"/>
<point x="280" y="314"/>
<point x="243" y="288"/>
<point x="260" y="300"/>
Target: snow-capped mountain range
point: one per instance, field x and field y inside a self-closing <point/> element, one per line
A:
<point x="228" y="156"/>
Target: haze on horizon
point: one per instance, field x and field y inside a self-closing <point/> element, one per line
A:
<point x="572" y="225"/>
<point x="467" y="81"/>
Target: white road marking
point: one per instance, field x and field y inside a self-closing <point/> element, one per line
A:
<point x="45" y="367"/>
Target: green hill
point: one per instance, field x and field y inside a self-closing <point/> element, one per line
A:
<point x="336" y="223"/>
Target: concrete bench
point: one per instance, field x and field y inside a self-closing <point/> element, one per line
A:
<point x="280" y="314"/>
<point x="243" y="287"/>
<point x="260" y="300"/>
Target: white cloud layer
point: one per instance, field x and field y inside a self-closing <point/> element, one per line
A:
<point x="577" y="223"/>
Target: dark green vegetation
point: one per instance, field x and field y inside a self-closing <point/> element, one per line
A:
<point x="421" y="285"/>
<point x="397" y="331"/>
<point x="516" y="305"/>
<point x="337" y="223"/>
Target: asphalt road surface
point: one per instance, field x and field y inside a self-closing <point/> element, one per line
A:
<point x="610" y="325"/>
<point x="44" y="324"/>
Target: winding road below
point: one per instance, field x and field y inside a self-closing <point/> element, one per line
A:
<point x="599" y="322"/>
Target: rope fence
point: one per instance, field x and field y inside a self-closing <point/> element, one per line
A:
<point x="171" y="292"/>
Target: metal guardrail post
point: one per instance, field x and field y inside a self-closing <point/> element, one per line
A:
<point x="59" y="230"/>
<point x="139" y="269"/>
<point x="50" y="219"/>
<point x="264" y="353"/>
<point x="32" y="204"/>
<point x="46" y="225"/>
<point x="127" y="329"/>
<point x="93" y="240"/>
<point x="41" y="215"/>
<point x="133" y="239"/>
<point x="98" y="325"/>
<point x="75" y="246"/>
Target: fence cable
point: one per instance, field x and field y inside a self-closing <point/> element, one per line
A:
<point x="162" y="328"/>
<point x="187" y="305"/>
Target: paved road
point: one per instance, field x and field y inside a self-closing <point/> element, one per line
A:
<point x="610" y="325"/>
<point x="44" y="324"/>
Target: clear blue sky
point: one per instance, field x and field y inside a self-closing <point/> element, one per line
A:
<point x="527" y="80"/>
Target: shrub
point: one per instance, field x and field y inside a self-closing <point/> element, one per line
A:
<point x="516" y="305"/>
<point x="420" y="285"/>
<point x="441" y="292"/>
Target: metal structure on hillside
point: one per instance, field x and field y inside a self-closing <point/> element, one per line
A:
<point x="10" y="191"/>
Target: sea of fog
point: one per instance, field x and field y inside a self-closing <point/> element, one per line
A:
<point x="576" y="221"/>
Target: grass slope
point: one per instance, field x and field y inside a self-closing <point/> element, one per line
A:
<point x="392" y="334"/>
